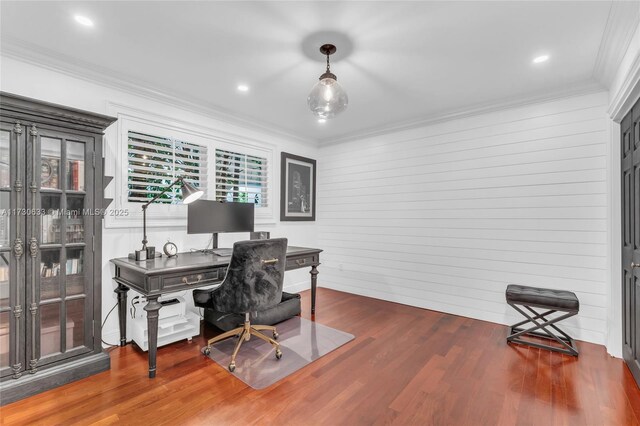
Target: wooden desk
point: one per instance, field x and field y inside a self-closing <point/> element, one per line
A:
<point x="186" y="271"/>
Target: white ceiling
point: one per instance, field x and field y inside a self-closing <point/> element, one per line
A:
<point x="408" y="61"/>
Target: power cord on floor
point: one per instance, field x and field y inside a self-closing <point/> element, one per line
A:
<point x="103" y="323"/>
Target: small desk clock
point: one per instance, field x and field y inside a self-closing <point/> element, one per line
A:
<point x="170" y="249"/>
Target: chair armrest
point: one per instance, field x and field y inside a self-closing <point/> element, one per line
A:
<point x="203" y="298"/>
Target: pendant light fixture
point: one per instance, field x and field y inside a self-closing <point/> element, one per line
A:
<point x="327" y="98"/>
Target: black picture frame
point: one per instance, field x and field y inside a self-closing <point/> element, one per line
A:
<point x="297" y="188"/>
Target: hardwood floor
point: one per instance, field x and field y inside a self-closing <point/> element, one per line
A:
<point x="406" y="366"/>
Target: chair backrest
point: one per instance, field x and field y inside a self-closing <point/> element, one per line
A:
<point x="254" y="278"/>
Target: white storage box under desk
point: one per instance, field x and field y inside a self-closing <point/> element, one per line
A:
<point x="170" y="329"/>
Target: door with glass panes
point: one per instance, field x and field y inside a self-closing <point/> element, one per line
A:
<point x="52" y="288"/>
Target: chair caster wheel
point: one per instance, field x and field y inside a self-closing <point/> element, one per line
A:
<point x="278" y="354"/>
<point x="275" y="335"/>
<point x="232" y="367"/>
<point x="207" y="350"/>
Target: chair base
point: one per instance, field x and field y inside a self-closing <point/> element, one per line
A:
<point x="540" y="322"/>
<point x="244" y="333"/>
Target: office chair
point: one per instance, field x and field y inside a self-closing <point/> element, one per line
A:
<point x="253" y="283"/>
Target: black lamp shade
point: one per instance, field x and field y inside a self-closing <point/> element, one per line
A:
<point x="190" y="193"/>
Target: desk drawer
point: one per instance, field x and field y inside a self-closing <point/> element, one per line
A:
<point x="192" y="279"/>
<point x="302" y="261"/>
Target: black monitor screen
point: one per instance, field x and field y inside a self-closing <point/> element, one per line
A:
<point x="207" y="216"/>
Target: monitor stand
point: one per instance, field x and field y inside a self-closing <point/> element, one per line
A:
<point x="214" y="245"/>
<point x="223" y="252"/>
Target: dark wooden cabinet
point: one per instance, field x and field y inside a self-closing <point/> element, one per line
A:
<point x="51" y="196"/>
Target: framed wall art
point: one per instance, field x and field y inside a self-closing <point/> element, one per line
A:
<point x="297" y="188"/>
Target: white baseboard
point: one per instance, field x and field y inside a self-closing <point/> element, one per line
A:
<point x="297" y="287"/>
<point x="576" y="333"/>
<point x="112" y="338"/>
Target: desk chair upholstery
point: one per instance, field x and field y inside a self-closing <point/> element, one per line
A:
<point x="287" y="308"/>
<point x="253" y="283"/>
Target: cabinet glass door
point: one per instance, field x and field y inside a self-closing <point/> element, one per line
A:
<point x="12" y="237"/>
<point x="62" y="269"/>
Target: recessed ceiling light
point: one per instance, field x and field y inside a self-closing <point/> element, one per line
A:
<point x="540" y="59"/>
<point x="243" y="88"/>
<point x="83" y="20"/>
<point x="322" y="120"/>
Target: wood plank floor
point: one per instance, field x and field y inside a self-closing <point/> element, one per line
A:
<point x="406" y="366"/>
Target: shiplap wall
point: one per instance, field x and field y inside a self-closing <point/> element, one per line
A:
<point x="445" y="216"/>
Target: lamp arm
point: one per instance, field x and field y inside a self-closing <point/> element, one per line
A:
<point x="180" y="179"/>
<point x="144" y="210"/>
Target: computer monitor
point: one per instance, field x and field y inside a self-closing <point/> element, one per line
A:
<point x="210" y="216"/>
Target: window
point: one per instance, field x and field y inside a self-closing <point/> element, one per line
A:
<point x="151" y="151"/>
<point x="154" y="162"/>
<point x="241" y="178"/>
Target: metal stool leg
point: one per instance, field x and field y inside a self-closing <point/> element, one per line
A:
<point x="540" y="321"/>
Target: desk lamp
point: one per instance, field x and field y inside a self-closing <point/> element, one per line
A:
<point x="189" y="195"/>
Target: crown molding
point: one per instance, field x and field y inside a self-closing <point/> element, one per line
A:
<point x="586" y="88"/>
<point x="623" y="19"/>
<point x="628" y="94"/>
<point x="33" y="54"/>
<point x="45" y="58"/>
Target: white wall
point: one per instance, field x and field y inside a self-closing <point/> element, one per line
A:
<point x="445" y="216"/>
<point x="69" y="90"/>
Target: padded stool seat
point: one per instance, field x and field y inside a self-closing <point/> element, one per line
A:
<point x="524" y="299"/>
<point x="543" y="297"/>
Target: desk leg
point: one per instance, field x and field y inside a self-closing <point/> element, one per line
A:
<point x="314" y="282"/>
<point x="121" y="291"/>
<point x="152" y="307"/>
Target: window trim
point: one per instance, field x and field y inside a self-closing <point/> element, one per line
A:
<point x="171" y="215"/>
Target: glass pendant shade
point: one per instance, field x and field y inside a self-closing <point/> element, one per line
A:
<point x="327" y="98"/>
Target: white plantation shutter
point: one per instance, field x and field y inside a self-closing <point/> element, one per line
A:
<point x="154" y="162"/>
<point x="242" y="178"/>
